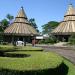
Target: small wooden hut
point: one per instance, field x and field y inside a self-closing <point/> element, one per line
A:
<point x="67" y="27"/>
<point x="20" y="29"/>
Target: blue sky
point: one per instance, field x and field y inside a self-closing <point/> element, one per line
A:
<point x="42" y="10"/>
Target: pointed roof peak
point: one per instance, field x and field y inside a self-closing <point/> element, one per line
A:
<point x="70" y="5"/>
<point x="21" y="17"/>
<point x="21" y="7"/>
<point x="21" y="13"/>
<point x="71" y="10"/>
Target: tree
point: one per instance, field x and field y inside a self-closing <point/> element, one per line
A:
<point x="1" y="29"/>
<point x="33" y="24"/>
<point x="4" y="23"/>
<point x="71" y="40"/>
<point x="47" y="28"/>
<point x="10" y="18"/>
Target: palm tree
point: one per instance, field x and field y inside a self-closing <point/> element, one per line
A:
<point x="10" y="18"/>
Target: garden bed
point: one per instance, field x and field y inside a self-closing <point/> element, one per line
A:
<point x="37" y="61"/>
<point x="33" y="61"/>
<point x="12" y="48"/>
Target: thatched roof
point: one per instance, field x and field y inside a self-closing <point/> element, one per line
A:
<point x="66" y="27"/>
<point x="21" y="26"/>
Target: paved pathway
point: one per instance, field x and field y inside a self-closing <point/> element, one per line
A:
<point x="63" y="51"/>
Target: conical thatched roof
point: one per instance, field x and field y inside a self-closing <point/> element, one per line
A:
<point x="21" y="26"/>
<point x="66" y="27"/>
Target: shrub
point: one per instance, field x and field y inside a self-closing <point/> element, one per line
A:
<point x="72" y="39"/>
<point x="51" y="40"/>
<point x="1" y="39"/>
<point x="35" y="63"/>
<point x="41" y="42"/>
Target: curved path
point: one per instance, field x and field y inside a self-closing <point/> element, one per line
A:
<point x="67" y="52"/>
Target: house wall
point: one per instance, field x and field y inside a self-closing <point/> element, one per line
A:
<point x="11" y="39"/>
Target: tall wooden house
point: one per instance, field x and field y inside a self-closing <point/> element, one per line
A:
<point x="20" y="29"/>
<point x="67" y="27"/>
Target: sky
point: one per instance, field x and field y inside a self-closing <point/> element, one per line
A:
<point x="42" y="10"/>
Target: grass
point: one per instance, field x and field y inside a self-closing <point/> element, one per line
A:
<point x="37" y="63"/>
<point x="26" y="48"/>
<point x="33" y="62"/>
<point x="71" y="67"/>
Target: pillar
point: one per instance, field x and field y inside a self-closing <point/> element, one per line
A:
<point x="24" y="41"/>
<point x="13" y="40"/>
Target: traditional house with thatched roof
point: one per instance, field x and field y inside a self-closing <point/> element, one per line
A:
<point x="20" y="29"/>
<point x="67" y="27"/>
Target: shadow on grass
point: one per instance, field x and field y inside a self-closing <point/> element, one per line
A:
<point x="3" y="53"/>
<point x="60" y="70"/>
<point x="11" y="55"/>
<point x="16" y="55"/>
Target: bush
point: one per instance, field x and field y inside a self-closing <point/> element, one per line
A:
<point x="30" y="65"/>
<point x="51" y="40"/>
<point x="62" y="69"/>
<point x="72" y="39"/>
<point x="41" y="42"/>
<point x="36" y="63"/>
<point x="1" y="39"/>
<point x="5" y="43"/>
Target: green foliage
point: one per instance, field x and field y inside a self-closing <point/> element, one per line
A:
<point x="1" y="29"/>
<point x="72" y="40"/>
<point x="71" y="67"/>
<point x="4" y="23"/>
<point x="1" y="39"/>
<point x="50" y="40"/>
<point x="49" y="26"/>
<point x="33" y="24"/>
<point x="26" y="48"/>
<point x="41" y="41"/>
<point x="36" y="63"/>
<point x="30" y="63"/>
<point x="10" y="18"/>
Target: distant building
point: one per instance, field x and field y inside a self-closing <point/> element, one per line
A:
<point x="67" y="27"/>
<point x="20" y="29"/>
<point x="41" y="37"/>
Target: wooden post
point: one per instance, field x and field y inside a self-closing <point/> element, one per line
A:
<point x="24" y="41"/>
<point x="13" y="40"/>
<point x="33" y="41"/>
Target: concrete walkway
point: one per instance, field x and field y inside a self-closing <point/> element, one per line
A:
<point x="63" y="51"/>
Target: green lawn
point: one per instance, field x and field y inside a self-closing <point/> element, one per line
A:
<point x="71" y="67"/>
<point x="37" y="62"/>
<point x="26" y="48"/>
